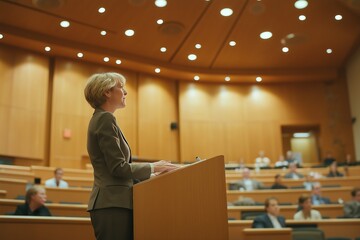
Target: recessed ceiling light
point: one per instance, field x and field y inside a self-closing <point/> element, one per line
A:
<point x="103" y="32"/>
<point x="232" y="43"/>
<point x="129" y="32"/>
<point x="196" y="78"/>
<point x="106" y="59"/>
<point x="226" y="12"/>
<point x="302" y="17"/>
<point x="48" y="49"/>
<point x="65" y="24"/>
<point x="265" y="35"/>
<point x="258" y="79"/>
<point x="329" y="50"/>
<point x="198" y="45"/>
<point x="285" y="49"/>
<point x="301" y="4"/>
<point x="227" y="78"/>
<point x="80" y="55"/>
<point x="163" y="49"/>
<point x="101" y="10"/>
<point x="118" y="61"/>
<point x="338" y="17"/>
<point x="157" y="70"/>
<point x="192" y="57"/>
<point x="1" y="36"/>
<point x="160" y="3"/>
<point x="160" y="21"/>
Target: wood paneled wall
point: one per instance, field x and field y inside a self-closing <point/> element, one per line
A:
<point x="240" y="120"/>
<point x="235" y="120"/>
<point x="23" y="103"/>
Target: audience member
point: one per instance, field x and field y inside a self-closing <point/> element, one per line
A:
<point x="293" y="172"/>
<point x="334" y="171"/>
<point x="281" y="163"/>
<point x="271" y="218"/>
<point x="305" y="212"/>
<point x="34" y="203"/>
<point x="247" y="183"/>
<point x="316" y="197"/>
<point x="352" y="208"/>
<point x="262" y="161"/>
<point x="57" y="180"/>
<point x="308" y="183"/>
<point x="278" y="183"/>
<point x="290" y="157"/>
<point x="329" y="159"/>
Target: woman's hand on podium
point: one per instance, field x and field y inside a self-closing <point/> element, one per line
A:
<point x="163" y="167"/>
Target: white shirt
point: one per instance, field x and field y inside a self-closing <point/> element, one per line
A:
<point x="262" y="162"/>
<point x="52" y="183"/>
<point x="274" y="221"/>
<point x="314" y="215"/>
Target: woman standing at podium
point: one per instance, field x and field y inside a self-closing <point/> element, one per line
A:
<point x="110" y="203"/>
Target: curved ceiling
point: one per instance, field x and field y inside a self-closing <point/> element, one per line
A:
<point x="34" y="24"/>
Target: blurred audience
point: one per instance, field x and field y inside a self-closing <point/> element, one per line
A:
<point x="278" y="183"/>
<point x="271" y="219"/>
<point x="34" y="203"/>
<point x="352" y="208"/>
<point x="247" y="183"/>
<point x="334" y="171"/>
<point x="306" y="212"/>
<point x="316" y="197"/>
<point x="281" y="163"/>
<point x="57" y="180"/>
<point x="262" y="161"/>
<point x="293" y="174"/>
<point x="329" y="159"/>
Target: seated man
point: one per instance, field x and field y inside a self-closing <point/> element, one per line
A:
<point x="352" y="208"/>
<point x="57" y="180"/>
<point x="293" y="172"/>
<point x="271" y="218"/>
<point x="316" y="197"/>
<point x="333" y="171"/>
<point x="262" y="161"/>
<point x="278" y="183"/>
<point x="34" y="203"/>
<point x="247" y="183"/>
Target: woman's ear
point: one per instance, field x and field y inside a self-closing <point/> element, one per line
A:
<point x="107" y="93"/>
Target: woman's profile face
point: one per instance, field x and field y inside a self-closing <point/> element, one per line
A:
<point x="307" y="204"/>
<point x="117" y="95"/>
<point x="39" y="197"/>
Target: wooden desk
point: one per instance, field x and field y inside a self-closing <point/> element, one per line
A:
<point x="74" y="195"/>
<point x="267" y="233"/>
<point x="48" y="172"/>
<point x="44" y="228"/>
<point x="79" y="181"/>
<point x="14" y="187"/>
<point x="3" y="193"/>
<point x="332" y="227"/>
<point x="326" y="210"/>
<point x="28" y="176"/>
<point x="289" y="195"/>
<point x="56" y="209"/>
<point x="4" y="167"/>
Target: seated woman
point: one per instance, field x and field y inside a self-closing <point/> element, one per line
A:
<point x="34" y="203"/>
<point x="305" y="212"/>
<point x="333" y="171"/>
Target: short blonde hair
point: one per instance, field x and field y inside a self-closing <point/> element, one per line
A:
<point x="98" y="84"/>
<point x="31" y="192"/>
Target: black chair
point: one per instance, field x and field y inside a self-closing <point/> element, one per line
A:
<point x="338" y="238"/>
<point x="251" y="215"/>
<point x="307" y="234"/>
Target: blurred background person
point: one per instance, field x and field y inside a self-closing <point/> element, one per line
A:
<point x="293" y="173"/>
<point x="57" y="180"/>
<point x="34" y="203"/>
<point x="247" y="183"/>
<point x="272" y="218"/>
<point x="316" y="197"/>
<point x="278" y="183"/>
<point x="262" y="161"/>
<point x="333" y="170"/>
<point x="306" y="212"/>
<point x="352" y="208"/>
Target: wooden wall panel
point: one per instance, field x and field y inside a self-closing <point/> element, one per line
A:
<point x="157" y="101"/>
<point x="23" y="103"/>
<point x="262" y="110"/>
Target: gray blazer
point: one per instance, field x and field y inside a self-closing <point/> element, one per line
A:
<point x="110" y="157"/>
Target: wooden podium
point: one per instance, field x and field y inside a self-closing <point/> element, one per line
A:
<point x="188" y="203"/>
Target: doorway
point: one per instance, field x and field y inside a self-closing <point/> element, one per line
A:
<point x="302" y="140"/>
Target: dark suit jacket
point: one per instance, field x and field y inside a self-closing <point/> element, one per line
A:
<point x="321" y="200"/>
<point x="263" y="221"/>
<point x="25" y="210"/>
<point x="110" y="156"/>
<point x="352" y="209"/>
